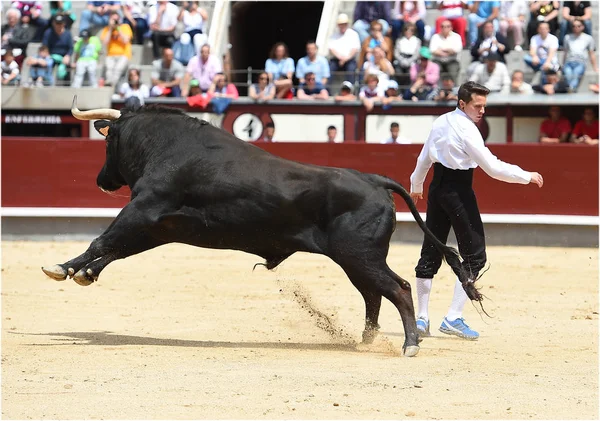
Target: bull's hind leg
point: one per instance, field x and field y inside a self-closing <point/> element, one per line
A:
<point x="127" y="235"/>
<point x="372" y="307"/>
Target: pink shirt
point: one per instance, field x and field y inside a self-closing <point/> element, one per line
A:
<point x="432" y="73"/>
<point x="204" y="72"/>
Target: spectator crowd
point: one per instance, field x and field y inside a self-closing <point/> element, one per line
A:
<point x="384" y="52"/>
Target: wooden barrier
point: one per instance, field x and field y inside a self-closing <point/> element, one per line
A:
<point x="38" y="172"/>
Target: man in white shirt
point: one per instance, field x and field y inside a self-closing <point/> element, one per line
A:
<point x="344" y="45"/>
<point x="543" y="50"/>
<point x="445" y="48"/>
<point x="395" y="135"/>
<point x="162" y="17"/>
<point x="455" y="147"/>
<point x="493" y="74"/>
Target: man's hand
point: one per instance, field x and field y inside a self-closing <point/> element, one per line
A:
<point x="535" y="60"/>
<point x="416" y="196"/>
<point x="535" y="178"/>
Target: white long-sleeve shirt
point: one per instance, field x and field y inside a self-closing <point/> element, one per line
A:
<point x="456" y="143"/>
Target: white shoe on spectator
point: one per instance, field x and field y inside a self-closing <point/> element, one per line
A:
<point x="518" y="48"/>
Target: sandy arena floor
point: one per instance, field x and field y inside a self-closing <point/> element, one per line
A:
<point x="185" y="333"/>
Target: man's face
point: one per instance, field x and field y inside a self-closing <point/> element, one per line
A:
<point x="331" y="133"/>
<point x="554" y="113"/>
<point x="204" y="53"/>
<point x="446" y="27"/>
<point x="395" y="131"/>
<point x="342" y="27"/>
<point x="59" y="27"/>
<point x="588" y="115"/>
<point x="517" y="78"/>
<point x="269" y="131"/>
<point x="475" y="109"/>
<point x="448" y="84"/>
<point x="577" y="27"/>
<point x="12" y="19"/>
<point x="543" y="29"/>
<point x="488" y="30"/>
<point x="311" y="50"/>
<point x="311" y="80"/>
<point x="491" y="65"/>
<point x="44" y="53"/>
<point x="551" y="79"/>
<point x="372" y="83"/>
<point x="168" y="55"/>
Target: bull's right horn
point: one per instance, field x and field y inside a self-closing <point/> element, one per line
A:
<point x="97" y="114"/>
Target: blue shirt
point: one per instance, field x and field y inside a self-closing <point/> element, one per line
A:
<point x="485" y="8"/>
<point x="58" y="44"/>
<point x="279" y="67"/>
<point x="100" y="3"/>
<point x="320" y="68"/>
<point x="310" y="91"/>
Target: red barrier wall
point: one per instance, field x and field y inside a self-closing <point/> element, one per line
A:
<point x="62" y="173"/>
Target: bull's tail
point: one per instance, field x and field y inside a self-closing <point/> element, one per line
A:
<point x="450" y="254"/>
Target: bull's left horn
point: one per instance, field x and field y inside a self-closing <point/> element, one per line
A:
<point x="97" y="114"/>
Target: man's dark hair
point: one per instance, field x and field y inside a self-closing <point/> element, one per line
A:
<point x="331" y="128"/>
<point x="394" y="125"/>
<point x="270" y="124"/>
<point x="550" y="72"/>
<point x="466" y="91"/>
<point x="447" y="77"/>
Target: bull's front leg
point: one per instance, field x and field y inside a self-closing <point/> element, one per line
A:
<point x="130" y="233"/>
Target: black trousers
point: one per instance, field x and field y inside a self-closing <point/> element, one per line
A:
<point x="451" y="203"/>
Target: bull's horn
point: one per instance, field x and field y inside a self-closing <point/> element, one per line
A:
<point x="97" y="114"/>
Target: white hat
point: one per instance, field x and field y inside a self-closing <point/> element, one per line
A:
<point x="347" y="84"/>
<point x="342" y="18"/>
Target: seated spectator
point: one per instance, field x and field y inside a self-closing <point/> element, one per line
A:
<point x="425" y="69"/>
<point x="331" y="134"/>
<point x="312" y="63"/>
<point x="344" y="45"/>
<point x="134" y="87"/>
<point x="542" y="11"/>
<point x="263" y="90"/>
<point x="311" y="89"/>
<point x="31" y="12"/>
<point x="408" y="12"/>
<point x="203" y="67"/>
<point x="372" y="92"/>
<point x="448" y="91"/>
<point x="167" y="74"/>
<point x="280" y="68"/>
<point x="555" y="129"/>
<point x="380" y="66"/>
<point x="513" y="15"/>
<point x="552" y="84"/>
<point x="575" y="10"/>
<point x="85" y="59"/>
<point x="9" y="29"/>
<point x="135" y="16"/>
<point x="194" y="89"/>
<point x="269" y="132"/>
<point x="40" y="67"/>
<point x="420" y="90"/>
<point x="586" y="130"/>
<point x="481" y="12"/>
<point x="489" y="41"/>
<point x="60" y="43"/>
<point x="346" y="92"/>
<point x="518" y="84"/>
<point x="453" y="10"/>
<point x="10" y="69"/>
<point x="542" y="50"/>
<point x="63" y="8"/>
<point x="445" y="48"/>
<point x="222" y="88"/>
<point x="116" y="39"/>
<point x="366" y="12"/>
<point x="493" y="74"/>
<point x="395" y="137"/>
<point x="162" y="18"/>
<point x="194" y="19"/>
<point x="97" y="13"/>
<point x="391" y="95"/>
<point x="406" y="50"/>
<point x="375" y="39"/>
<point x="578" y="45"/>
<point x="183" y="49"/>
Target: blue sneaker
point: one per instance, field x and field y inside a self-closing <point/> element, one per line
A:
<point x="423" y="326"/>
<point x="459" y="328"/>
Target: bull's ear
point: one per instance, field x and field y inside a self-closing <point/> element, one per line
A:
<point x="103" y="127"/>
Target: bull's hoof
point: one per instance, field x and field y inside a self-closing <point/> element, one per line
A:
<point x="71" y="271"/>
<point x="55" y="272"/>
<point x="411" y="351"/>
<point x="368" y="336"/>
<point x="84" y="278"/>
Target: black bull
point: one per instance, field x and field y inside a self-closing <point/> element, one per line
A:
<point x="195" y="184"/>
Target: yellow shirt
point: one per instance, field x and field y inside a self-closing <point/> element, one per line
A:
<point x="116" y="47"/>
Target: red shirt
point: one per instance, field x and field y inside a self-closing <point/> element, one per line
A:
<point x="591" y="130"/>
<point x="555" y="128"/>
